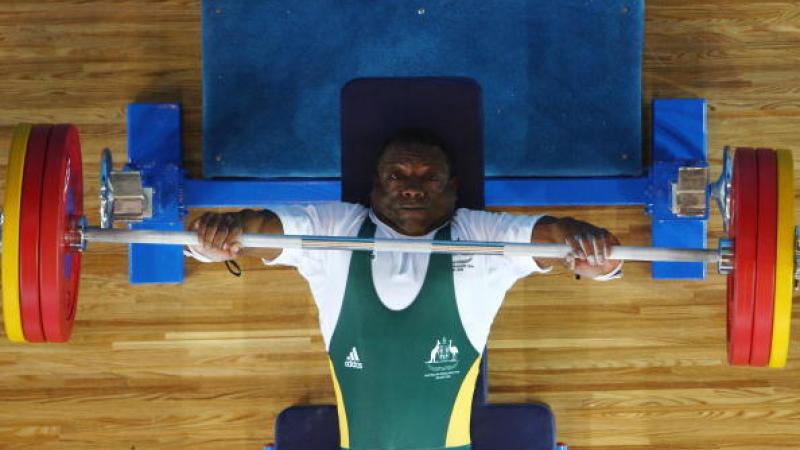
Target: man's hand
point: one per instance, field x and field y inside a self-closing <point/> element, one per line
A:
<point x="219" y="234"/>
<point x="591" y="245"/>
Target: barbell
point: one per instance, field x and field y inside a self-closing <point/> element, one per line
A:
<point x="44" y="234"/>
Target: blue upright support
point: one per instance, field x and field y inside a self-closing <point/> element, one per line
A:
<point x="679" y="139"/>
<point x="205" y="193"/>
<point x="617" y="191"/>
<point x="154" y="148"/>
<point x="234" y="193"/>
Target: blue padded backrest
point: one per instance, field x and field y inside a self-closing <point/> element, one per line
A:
<point x="560" y="79"/>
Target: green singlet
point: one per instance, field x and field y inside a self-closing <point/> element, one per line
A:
<point x="403" y="379"/>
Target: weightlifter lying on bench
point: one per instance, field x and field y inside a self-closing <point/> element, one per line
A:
<point x="404" y="332"/>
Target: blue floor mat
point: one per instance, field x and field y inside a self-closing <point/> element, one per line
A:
<point x="560" y="80"/>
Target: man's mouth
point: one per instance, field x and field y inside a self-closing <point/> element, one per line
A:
<point x="413" y="211"/>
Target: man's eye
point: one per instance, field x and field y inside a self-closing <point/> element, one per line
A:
<point x="393" y="176"/>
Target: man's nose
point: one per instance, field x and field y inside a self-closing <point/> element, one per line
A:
<point x="413" y="189"/>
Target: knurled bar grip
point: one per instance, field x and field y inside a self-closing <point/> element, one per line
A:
<point x="557" y="251"/>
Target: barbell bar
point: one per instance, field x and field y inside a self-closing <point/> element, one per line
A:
<point x="63" y="235"/>
<point x="556" y="251"/>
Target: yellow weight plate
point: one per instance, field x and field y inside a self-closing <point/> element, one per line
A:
<point x="11" y="210"/>
<point x="784" y="273"/>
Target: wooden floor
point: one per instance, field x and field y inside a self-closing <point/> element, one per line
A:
<point x="633" y="364"/>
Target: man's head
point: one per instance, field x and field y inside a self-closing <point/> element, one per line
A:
<point x="414" y="189"/>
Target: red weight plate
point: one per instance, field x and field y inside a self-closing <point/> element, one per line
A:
<point x="729" y="280"/>
<point x="766" y="255"/>
<point x="729" y="293"/>
<point x="32" y="182"/>
<point x="744" y="207"/>
<point x="62" y="207"/>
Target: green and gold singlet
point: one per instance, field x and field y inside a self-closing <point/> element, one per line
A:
<point x="404" y="379"/>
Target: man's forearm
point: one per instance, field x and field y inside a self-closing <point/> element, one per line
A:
<point x="543" y="233"/>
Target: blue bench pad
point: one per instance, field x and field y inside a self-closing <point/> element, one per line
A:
<point x="560" y="81"/>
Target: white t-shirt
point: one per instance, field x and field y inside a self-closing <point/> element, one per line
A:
<point x="480" y="281"/>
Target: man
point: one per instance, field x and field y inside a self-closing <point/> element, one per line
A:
<point x="404" y="332"/>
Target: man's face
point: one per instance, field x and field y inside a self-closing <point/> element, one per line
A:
<point x="413" y="191"/>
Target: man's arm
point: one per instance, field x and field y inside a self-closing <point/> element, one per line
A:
<point x="219" y="234"/>
<point x="590" y="245"/>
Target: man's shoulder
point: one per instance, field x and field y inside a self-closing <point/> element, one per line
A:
<point x="322" y="207"/>
<point x="344" y="207"/>
<point x="466" y="215"/>
<point x="319" y="218"/>
<point x="480" y="225"/>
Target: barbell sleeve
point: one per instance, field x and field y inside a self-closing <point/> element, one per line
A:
<point x="555" y="251"/>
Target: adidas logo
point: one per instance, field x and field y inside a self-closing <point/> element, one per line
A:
<point x="353" y="361"/>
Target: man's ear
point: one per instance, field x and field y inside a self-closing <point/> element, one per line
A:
<point x="456" y="182"/>
<point x="374" y="187"/>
